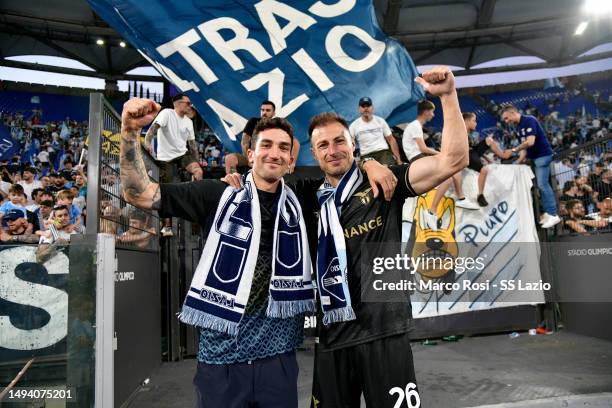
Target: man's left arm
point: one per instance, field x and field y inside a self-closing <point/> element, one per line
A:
<point x="429" y="172"/>
<point x="522" y="157"/>
<point x="192" y="146"/>
<point x="380" y="175"/>
<point x="527" y="143"/>
<point x="394" y="148"/>
<point x="26" y="238"/>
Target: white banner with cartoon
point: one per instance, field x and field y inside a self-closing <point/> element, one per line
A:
<point x="501" y="237"/>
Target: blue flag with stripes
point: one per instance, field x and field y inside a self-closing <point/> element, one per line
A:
<point x="306" y="57"/>
<point x="8" y="145"/>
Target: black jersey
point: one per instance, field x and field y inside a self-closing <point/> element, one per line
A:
<point x="480" y="148"/>
<point x="372" y="226"/>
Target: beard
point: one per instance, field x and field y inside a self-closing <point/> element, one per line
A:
<point x="338" y="171"/>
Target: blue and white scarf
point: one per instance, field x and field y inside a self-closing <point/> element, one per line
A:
<point x="332" y="278"/>
<point x="222" y="281"/>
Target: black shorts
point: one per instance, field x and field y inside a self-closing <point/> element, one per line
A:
<point x="475" y="162"/>
<point x="381" y="156"/>
<point x="167" y="169"/>
<point x="420" y="156"/>
<point x="383" y="370"/>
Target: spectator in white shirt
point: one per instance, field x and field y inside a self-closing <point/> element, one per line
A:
<point x="374" y="136"/>
<point x="415" y="148"/>
<point x="29" y="183"/>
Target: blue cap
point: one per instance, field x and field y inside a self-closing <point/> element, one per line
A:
<point x="12" y="215"/>
<point x="365" y="101"/>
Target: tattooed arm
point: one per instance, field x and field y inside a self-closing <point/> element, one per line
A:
<point x="194" y="167"/>
<point x="192" y="146"/>
<point x="151" y="133"/>
<point x="138" y="190"/>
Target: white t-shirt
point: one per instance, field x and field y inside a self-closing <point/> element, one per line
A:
<point x="370" y="135"/>
<point x="28" y="188"/>
<point x="173" y="134"/>
<point x="4" y="186"/>
<point x="413" y="131"/>
<point x="53" y="234"/>
<point x="43" y="156"/>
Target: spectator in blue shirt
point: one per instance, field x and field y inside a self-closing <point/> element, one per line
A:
<point x="65" y="198"/>
<point x="15" y="201"/>
<point x="535" y="146"/>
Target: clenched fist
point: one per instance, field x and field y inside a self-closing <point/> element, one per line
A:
<point x="438" y="81"/>
<point x="138" y="113"/>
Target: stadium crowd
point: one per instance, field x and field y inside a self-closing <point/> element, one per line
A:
<point x="48" y="171"/>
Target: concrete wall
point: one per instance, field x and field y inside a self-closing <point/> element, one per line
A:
<point x="137" y="320"/>
<point x="586" y="278"/>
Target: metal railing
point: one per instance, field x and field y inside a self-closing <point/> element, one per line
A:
<point x="582" y="180"/>
<point x="107" y="210"/>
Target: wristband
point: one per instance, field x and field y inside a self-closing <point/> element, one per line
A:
<point x="366" y="159"/>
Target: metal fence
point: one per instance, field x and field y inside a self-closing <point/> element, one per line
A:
<point x="107" y="210"/>
<point x="582" y="180"/>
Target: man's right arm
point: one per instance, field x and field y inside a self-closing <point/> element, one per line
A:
<point x="138" y="189"/>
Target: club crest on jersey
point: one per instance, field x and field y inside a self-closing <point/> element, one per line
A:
<point x="364" y="196"/>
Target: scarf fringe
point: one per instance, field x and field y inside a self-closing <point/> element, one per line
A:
<point x="342" y="314"/>
<point x="195" y="317"/>
<point x="289" y="308"/>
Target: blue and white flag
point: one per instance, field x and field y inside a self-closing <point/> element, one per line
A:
<point x="8" y="145"/>
<point x="65" y="131"/>
<point x="307" y="57"/>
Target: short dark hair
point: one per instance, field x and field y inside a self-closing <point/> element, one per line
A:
<point x="468" y="115"/>
<point x="568" y="185"/>
<point x="571" y="204"/>
<point x="269" y="103"/>
<point x="508" y="108"/>
<point x="48" y="203"/>
<point x="61" y="207"/>
<point x="178" y="97"/>
<point x="16" y="189"/>
<point x="324" y="119"/>
<point x="37" y="191"/>
<point x="30" y="169"/>
<point x="425" y="105"/>
<point x="272" y="123"/>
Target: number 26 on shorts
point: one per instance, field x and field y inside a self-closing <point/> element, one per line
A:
<point x="410" y="394"/>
